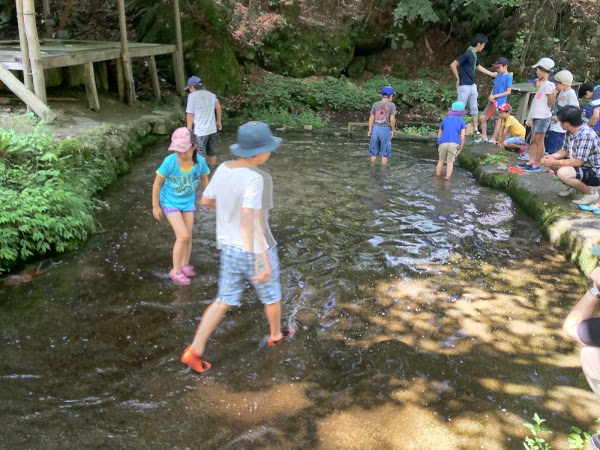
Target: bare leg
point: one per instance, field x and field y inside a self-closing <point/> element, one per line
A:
<point x="536" y="149"/>
<point x="483" y="126"/>
<point x="475" y="124"/>
<point x="583" y="310"/>
<point x="210" y="319"/>
<point x="373" y="159"/>
<point x="212" y="162"/>
<point x="273" y="313"/>
<point x="384" y="160"/>
<point x="497" y="127"/>
<point x="439" y="168"/>
<point x="567" y="176"/>
<point x="183" y="239"/>
<point x="188" y="218"/>
<point x="449" y="169"/>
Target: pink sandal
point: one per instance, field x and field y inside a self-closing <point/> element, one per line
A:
<point x="179" y="278"/>
<point x="188" y="270"/>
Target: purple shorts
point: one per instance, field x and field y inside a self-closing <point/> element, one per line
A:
<point x="169" y="210"/>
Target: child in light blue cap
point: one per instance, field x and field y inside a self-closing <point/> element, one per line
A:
<point x="451" y="138"/>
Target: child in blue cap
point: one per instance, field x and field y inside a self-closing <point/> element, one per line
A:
<point x="382" y="124"/>
<point x="451" y="139"/>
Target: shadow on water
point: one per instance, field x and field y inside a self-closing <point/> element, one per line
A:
<point x="428" y="312"/>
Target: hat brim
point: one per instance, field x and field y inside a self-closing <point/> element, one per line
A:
<point x="595" y="250"/>
<point x="269" y="147"/>
<point x="595" y="102"/>
<point x="180" y="148"/>
<point x="462" y="112"/>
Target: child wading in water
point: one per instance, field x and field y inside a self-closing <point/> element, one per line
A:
<point x="174" y="194"/>
<point x="451" y="139"/>
<point x="242" y="195"/>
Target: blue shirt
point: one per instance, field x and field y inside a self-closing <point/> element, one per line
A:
<point x="179" y="189"/>
<point x="586" y="113"/>
<point x="451" y="127"/>
<point x="501" y="83"/>
<point x="467" y="63"/>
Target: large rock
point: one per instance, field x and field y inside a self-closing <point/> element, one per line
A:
<point x="301" y="53"/>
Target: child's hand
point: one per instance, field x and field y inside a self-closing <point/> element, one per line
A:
<point x="262" y="268"/>
<point x="157" y="212"/>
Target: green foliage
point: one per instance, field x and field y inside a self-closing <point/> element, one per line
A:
<point x="578" y="439"/>
<point x="497" y="158"/>
<point x="423" y="130"/>
<point x="536" y="442"/>
<point x="409" y="11"/>
<point x="292" y="101"/>
<point x="47" y="197"/>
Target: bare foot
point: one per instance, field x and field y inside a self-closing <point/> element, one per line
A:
<point x="447" y="178"/>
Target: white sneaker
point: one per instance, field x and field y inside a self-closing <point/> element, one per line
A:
<point x="524" y="157"/>
<point x="586" y="199"/>
<point x="567" y="192"/>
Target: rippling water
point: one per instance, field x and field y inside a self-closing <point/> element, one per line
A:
<point x="428" y="316"/>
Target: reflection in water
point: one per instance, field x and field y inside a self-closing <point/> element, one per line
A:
<point x="428" y="317"/>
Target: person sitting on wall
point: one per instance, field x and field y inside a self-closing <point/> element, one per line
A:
<point x="578" y="161"/>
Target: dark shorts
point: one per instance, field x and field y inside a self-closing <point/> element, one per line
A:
<point x="589" y="331"/>
<point x="553" y="141"/>
<point x="587" y="175"/>
<point x="207" y="145"/>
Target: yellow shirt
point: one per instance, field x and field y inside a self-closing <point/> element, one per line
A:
<point x="514" y="127"/>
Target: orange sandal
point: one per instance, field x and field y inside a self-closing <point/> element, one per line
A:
<point x="194" y="361"/>
<point x="285" y="335"/>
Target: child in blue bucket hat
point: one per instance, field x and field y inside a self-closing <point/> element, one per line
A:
<point x="242" y="195"/>
<point x="451" y="139"/>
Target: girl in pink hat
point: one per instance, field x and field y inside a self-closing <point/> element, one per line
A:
<point x="174" y="195"/>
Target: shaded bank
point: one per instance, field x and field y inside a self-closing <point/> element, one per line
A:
<point x="569" y="230"/>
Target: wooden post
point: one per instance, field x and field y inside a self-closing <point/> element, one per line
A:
<point x="24" y="47"/>
<point x="49" y="29"/>
<point x="90" y="86"/>
<point x="154" y="76"/>
<point x="35" y="55"/>
<point x="178" y="55"/>
<point x="26" y="95"/>
<point x="128" y="72"/>
<point x="120" y="80"/>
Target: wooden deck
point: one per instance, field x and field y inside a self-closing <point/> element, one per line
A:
<point x="64" y="53"/>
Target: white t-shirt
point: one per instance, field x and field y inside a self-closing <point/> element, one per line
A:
<point x="539" y="106"/>
<point x="564" y="98"/>
<point x="201" y="104"/>
<point x="234" y="189"/>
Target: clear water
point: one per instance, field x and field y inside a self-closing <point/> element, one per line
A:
<point x="428" y="316"/>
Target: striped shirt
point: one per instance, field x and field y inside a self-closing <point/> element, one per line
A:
<point x="584" y="145"/>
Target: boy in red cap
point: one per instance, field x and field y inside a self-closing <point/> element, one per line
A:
<point x="499" y="96"/>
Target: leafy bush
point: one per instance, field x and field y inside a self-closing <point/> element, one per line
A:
<point x="48" y="203"/>
<point x="293" y="102"/>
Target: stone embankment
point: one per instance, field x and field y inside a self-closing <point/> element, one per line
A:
<point x="571" y="231"/>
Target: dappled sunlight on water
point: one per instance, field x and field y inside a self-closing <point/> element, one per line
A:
<point x="428" y="316"/>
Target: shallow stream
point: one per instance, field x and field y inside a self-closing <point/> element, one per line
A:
<point x="428" y="316"/>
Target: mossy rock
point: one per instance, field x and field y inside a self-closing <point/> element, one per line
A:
<point x="356" y="69"/>
<point x="218" y="68"/>
<point x="301" y="53"/>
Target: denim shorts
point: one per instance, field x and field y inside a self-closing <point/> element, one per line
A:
<point x="554" y="141"/>
<point x="515" y="140"/>
<point x="540" y="125"/>
<point x="587" y="175"/>
<point x="170" y="210"/>
<point x="237" y="267"/>
<point x="381" y="142"/>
